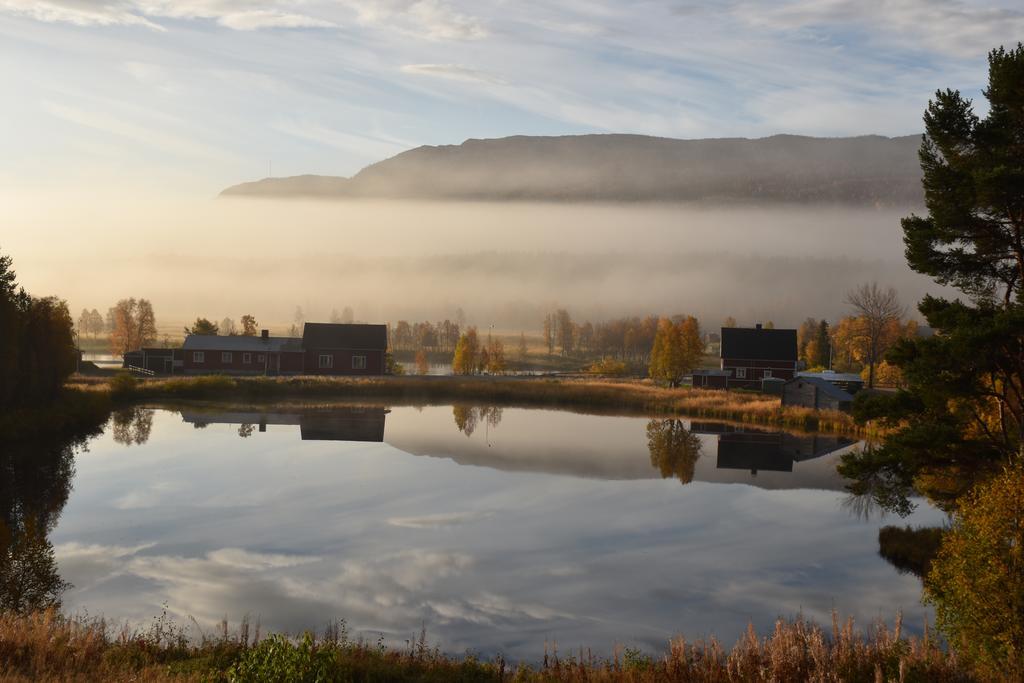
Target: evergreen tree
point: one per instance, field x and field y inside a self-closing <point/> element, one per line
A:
<point x="202" y="326"/>
<point x="823" y="347"/>
<point x="37" y="345"/>
<point x="961" y="413"/>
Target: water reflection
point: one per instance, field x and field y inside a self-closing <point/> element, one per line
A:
<point x="674" y="449"/>
<point x="35" y="482"/>
<point x="744" y="448"/>
<point x="131" y="426"/>
<point x="528" y="526"/>
<point x="467" y="417"/>
<point x="346" y="423"/>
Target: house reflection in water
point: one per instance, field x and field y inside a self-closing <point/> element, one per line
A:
<point x="350" y="423"/>
<point x="749" y="449"/>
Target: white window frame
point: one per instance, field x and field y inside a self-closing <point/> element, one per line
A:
<point x="326" y="361"/>
<point x="741" y="373"/>
<point x="247" y="358"/>
<point x="767" y="374"/>
<point x="358" y="362"/>
<point x="226" y="357"/>
<point x="198" y="357"/>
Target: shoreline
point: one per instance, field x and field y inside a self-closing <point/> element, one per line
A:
<point x="641" y="397"/>
<point x="88" y="400"/>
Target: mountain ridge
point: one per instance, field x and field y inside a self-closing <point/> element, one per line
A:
<point x="867" y="169"/>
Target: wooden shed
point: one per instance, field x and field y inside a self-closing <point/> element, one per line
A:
<point x="814" y="392"/>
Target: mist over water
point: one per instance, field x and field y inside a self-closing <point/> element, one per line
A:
<point x="502" y="263"/>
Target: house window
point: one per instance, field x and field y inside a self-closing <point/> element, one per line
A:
<point x="261" y="358"/>
<point x="326" y="360"/>
<point x="741" y="373"/>
<point x="225" y="357"/>
<point x="198" y="357"/>
<point x="767" y="373"/>
<point x="358" y="362"/>
<point x="246" y="358"/>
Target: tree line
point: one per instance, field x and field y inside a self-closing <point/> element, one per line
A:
<point x="425" y="336"/>
<point x="627" y="338"/>
<point x="37" y="344"/>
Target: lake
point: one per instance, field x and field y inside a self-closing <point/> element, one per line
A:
<point x="495" y="529"/>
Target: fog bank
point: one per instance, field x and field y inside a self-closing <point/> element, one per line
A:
<point x="503" y="264"/>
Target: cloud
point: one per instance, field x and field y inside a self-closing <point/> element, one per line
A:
<point x="151" y="137"/>
<point x="234" y="14"/>
<point x="432" y="19"/>
<point x="79" y="13"/>
<point x="455" y="72"/>
<point x="946" y="26"/>
<point x="368" y="147"/>
<point x="438" y="521"/>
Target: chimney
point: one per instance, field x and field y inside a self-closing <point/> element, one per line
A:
<point x="265" y="335"/>
<point x="757" y="326"/>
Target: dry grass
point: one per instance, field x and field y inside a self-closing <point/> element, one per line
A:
<point x="48" y="647"/>
<point x="626" y="396"/>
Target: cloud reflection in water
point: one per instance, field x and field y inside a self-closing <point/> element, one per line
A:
<point x="546" y="526"/>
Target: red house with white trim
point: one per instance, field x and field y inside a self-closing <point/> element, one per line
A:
<point x="323" y="349"/>
<point x="752" y="354"/>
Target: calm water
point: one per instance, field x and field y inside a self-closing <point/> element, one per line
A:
<point x="496" y="529"/>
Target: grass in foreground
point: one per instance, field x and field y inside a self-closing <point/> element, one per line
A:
<point x="640" y="397"/>
<point x="46" y="646"/>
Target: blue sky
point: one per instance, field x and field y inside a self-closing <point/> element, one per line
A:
<point x="186" y="97"/>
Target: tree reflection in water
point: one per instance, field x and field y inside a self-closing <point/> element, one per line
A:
<point x="132" y="426"/>
<point x="467" y="418"/>
<point x="674" y="449"/>
<point x="35" y="482"/>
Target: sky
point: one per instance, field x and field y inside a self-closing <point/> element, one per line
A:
<point x="186" y="97"/>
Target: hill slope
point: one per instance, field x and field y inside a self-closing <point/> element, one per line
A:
<point x="861" y="170"/>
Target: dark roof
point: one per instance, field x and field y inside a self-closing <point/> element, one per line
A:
<point x="825" y="387"/>
<point x="209" y="342"/>
<point x="829" y="376"/>
<point x="344" y="336"/>
<point x="752" y="343"/>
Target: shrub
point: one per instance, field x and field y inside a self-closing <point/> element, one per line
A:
<point x="123" y="385"/>
<point x="977" y="581"/>
<point x="608" y="366"/>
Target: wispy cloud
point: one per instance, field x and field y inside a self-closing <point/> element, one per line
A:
<point x="947" y="26"/>
<point x="234" y="14"/>
<point x="80" y="13"/>
<point x="324" y="86"/>
<point x="433" y="19"/>
<point x="439" y="520"/>
<point x="154" y="137"/>
<point x="456" y="72"/>
<point x="365" y="146"/>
